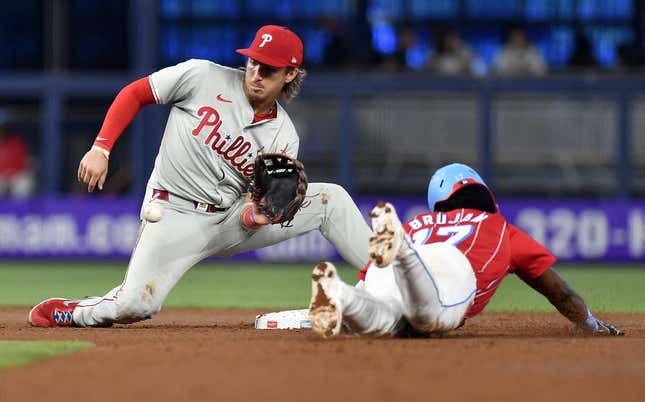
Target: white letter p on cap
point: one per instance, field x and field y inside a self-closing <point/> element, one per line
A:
<point x="266" y="38"/>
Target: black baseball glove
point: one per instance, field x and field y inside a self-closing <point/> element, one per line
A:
<point x="279" y="186"/>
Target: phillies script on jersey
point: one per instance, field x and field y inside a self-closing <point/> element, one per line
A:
<point x="493" y="246"/>
<point x="236" y="151"/>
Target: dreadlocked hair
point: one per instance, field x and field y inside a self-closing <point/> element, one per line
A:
<point x="474" y="196"/>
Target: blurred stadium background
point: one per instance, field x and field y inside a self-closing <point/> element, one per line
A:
<point x="546" y="98"/>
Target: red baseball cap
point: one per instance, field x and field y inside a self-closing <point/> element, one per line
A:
<point x="275" y="46"/>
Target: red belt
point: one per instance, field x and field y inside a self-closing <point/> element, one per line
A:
<point x="163" y="195"/>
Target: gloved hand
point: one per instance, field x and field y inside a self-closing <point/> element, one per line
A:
<point x="592" y="324"/>
<point x="279" y="187"/>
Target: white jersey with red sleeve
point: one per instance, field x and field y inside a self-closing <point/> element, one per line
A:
<point x="210" y="141"/>
<point x="204" y="166"/>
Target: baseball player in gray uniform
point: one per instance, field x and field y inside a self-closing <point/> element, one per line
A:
<point x="196" y="204"/>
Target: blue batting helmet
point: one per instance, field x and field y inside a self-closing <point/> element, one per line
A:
<point x="448" y="180"/>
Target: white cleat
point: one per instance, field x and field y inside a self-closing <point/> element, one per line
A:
<point x="325" y="313"/>
<point x="388" y="234"/>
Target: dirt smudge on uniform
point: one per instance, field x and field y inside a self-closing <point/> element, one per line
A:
<point x="149" y="291"/>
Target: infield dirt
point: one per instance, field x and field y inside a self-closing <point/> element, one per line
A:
<point x="216" y="355"/>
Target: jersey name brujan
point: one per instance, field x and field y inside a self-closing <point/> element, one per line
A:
<point x="442" y="218"/>
<point x="235" y="150"/>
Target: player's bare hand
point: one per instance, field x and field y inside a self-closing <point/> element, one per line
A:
<point x="252" y="218"/>
<point x="93" y="170"/>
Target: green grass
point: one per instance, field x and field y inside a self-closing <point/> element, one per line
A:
<point x="206" y="285"/>
<point x="605" y="288"/>
<point x="15" y="353"/>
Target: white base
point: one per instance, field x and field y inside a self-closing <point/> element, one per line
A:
<point x="288" y="319"/>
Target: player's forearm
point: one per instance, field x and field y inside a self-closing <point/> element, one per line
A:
<point x="574" y="308"/>
<point x="571" y="305"/>
<point x="566" y="300"/>
<point x="125" y="107"/>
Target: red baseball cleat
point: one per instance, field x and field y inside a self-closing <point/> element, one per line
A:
<point x="53" y="313"/>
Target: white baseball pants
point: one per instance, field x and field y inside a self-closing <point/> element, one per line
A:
<point x="167" y="249"/>
<point x="430" y="287"/>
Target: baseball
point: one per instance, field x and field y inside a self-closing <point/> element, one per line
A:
<point x="152" y="212"/>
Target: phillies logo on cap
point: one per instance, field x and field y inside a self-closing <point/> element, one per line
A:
<point x="275" y="46"/>
<point x="266" y="38"/>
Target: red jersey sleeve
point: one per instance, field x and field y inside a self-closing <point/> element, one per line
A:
<point x="529" y="259"/>
<point x="363" y="272"/>
<point x="125" y="106"/>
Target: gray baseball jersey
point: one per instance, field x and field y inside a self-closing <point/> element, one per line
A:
<point x="210" y="141"/>
<point x="207" y="156"/>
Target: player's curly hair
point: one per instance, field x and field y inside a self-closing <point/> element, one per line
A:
<point x="292" y="89"/>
